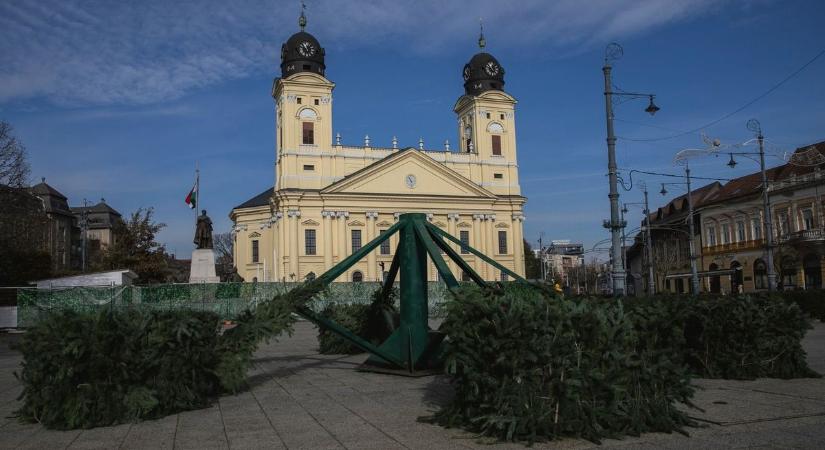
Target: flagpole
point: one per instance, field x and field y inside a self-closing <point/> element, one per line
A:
<point x="197" y="189"/>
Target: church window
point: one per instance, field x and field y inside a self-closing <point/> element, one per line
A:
<point x="385" y="246"/>
<point x="488" y="115"/>
<point x="309" y="167"/>
<point x="465" y="276"/>
<point x="504" y="276"/>
<point x="307" y="67"/>
<point x="309" y="133"/>
<point x="357" y="277"/>
<point x="356" y="240"/>
<point x="501" y="116"/>
<point x="298" y="100"/>
<point x="317" y="102"/>
<point x="255" y="251"/>
<point x="502" y="242"/>
<point x="496" y="145"/>
<point x="464" y="235"/>
<point x="309" y="241"/>
<point x="498" y="176"/>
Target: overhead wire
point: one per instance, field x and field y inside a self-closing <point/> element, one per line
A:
<point x="737" y="110"/>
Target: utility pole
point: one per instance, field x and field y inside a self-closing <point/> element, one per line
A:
<point x="766" y="206"/>
<point x="615" y="225"/>
<point x="651" y="283"/>
<point x="694" y="274"/>
<point x="612" y="53"/>
<point x="541" y="258"/>
<point x="84" y="230"/>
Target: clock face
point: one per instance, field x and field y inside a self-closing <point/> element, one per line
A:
<point x="306" y="48"/>
<point x="466" y="73"/>
<point x="491" y="68"/>
<point x="409" y="180"/>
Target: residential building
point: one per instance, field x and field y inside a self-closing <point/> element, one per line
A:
<point x="730" y="234"/>
<point x="560" y="259"/>
<point x="329" y="198"/>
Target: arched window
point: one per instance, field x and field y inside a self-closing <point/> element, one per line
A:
<point x="495" y="127"/>
<point x="813" y="271"/>
<point x="735" y="277"/>
<point x="357" y="277"/>
<point x="788" y="272"/>
<point x="760" y="274"/>
<point x="715" y="284"/>
<point x="307" y="114"/>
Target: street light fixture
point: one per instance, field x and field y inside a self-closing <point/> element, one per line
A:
<point x="614" y="52"/>
<point x="754" y="126"/>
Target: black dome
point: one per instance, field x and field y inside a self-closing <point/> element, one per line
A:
<point x="483" y="73"/>
<point x="302" y="53"/>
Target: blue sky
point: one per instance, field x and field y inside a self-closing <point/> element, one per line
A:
<point x="119" y="99"/>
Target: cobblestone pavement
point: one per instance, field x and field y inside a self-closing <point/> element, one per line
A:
<point x="300" y="399"/>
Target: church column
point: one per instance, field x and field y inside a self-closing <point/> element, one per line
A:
<point x="478" y="242"/>
<point x="277" y="267"/>
<point x="326" y="230"/>
<point x="372" y="264"/>
<point x="293" y="215"/>
<point x="518" y="244"/>
<point x="342" y="237"/>
<point x="492" y="246"/>
<point x="452" y="221"/>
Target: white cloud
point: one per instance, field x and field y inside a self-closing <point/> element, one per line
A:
<point x="124" y="53"/>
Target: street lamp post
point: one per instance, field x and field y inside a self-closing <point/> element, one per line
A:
<point x="614" y="52"/>
<point x="755" y="126"/>
<point x="651" y="283"/>
<point x="694" y="272"/>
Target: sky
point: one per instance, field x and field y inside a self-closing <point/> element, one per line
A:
<point x="120" y="100"/>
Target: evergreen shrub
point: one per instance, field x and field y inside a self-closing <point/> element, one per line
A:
<point x="527" y="365"/>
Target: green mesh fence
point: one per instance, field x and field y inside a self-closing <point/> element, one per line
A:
<point x="225" y="299"/>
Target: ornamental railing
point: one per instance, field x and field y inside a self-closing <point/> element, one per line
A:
<point x="226" y="299"/>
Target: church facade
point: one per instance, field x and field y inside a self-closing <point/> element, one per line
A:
<point x="329" y="198"/>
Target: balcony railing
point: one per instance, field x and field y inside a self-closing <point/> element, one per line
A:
<point x="734" y="246"/>
<point x="815" y="234"/>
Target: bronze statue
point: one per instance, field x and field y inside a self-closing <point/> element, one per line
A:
<point x="203" y="231"/>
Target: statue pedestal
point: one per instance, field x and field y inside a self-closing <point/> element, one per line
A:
<point x="202" y="269"/>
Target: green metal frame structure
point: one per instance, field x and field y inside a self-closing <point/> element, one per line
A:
<point x="412" y="347"/>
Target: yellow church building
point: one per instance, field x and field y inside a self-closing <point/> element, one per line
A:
<point x="329" y="198"/>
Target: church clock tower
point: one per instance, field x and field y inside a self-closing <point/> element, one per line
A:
<point x="303" y="103"/>
<point x="486" y="121"/>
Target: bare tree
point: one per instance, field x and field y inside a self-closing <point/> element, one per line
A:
<point x="223" y="244"/>
<point x="14" y="168"/>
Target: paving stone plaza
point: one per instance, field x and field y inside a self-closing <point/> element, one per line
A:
<point x="301" y="399"/>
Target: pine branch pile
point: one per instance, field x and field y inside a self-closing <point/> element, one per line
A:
<point x="83" y="370"/>
<point x="374" y="322"/>
<point x="528" y="366"/>
<point x="743" y="337"/>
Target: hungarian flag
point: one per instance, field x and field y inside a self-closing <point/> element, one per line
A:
<point x="192" y="197"/>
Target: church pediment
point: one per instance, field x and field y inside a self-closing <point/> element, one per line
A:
<point x="408" y="172"/>
<point x="384" y="224"/>
<point x="464" y="225"/>
<point x="254" y="234"/>
<point x="356" y="223"/>
<point x="310" y="222"/>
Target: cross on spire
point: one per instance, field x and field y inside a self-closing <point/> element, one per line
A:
<point x="302" y="21"/>
<point x="481" y="41"/>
